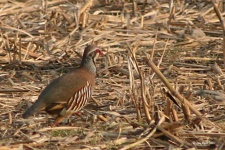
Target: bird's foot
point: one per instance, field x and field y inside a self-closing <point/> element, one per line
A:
<point x="58" y="120"/>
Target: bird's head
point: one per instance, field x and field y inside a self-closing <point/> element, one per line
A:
<point x="91" y="53"/>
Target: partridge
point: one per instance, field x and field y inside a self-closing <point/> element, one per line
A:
<point x="69" y="93"/>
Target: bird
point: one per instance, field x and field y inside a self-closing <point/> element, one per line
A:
<point x="70" y="92"/>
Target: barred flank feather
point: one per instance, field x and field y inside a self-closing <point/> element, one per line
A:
<point x="79" y="99"/>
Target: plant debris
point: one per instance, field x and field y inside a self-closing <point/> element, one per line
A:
<point x="160" y="82"/>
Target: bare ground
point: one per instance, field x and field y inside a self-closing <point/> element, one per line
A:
<point x="160" y="83"/>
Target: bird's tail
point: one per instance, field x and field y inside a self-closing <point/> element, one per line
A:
<point x="31" y="110"/>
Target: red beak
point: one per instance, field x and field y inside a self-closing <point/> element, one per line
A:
<point x="100" y="52"/>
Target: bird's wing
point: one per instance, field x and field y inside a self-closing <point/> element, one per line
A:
<point x="63" y="88"/>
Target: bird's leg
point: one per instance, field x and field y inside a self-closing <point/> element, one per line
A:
<point x="58" y="120"/>
<point x="78" y="113"/>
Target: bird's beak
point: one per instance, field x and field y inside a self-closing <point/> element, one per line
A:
<point x="99" y="52"/>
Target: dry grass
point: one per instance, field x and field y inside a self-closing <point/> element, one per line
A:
<point x="160" y="83"/>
